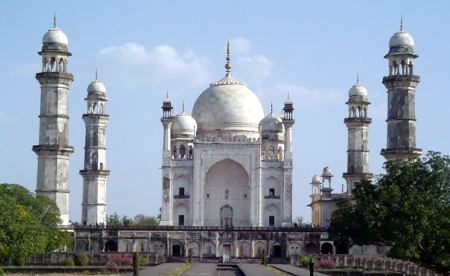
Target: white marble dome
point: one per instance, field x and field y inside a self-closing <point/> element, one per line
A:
<point x="401" y="38"/>
<point x="228" y="106"/>
<point x="357" y="90"/>
<point x="96" y="87"/>
<point x="315" y="179"/>
<point x="55" y="35"/>
<point x="183" y="124"/>
<point x="272" y="123"/>
<point x="326" y="171"/>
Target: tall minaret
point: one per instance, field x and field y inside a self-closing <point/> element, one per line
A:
<point x="401" y="84"/>
<point x="288" y="122"/>
<point x="94" y="173"/>
<point x="357" y="124"/>
<point x="53" y="150"/>
<point x="167" y="121"/>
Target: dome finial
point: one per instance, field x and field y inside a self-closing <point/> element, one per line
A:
<point x="167" y="94"/>
<point x="228" y="65"/>
<point x="271" y="107"/>
<point x="401" y="23"/>
<point x="54" y="19"/>
<point x="357" y="78"/>
<point x="96" y="74"/>
<point x="182" y="108"/>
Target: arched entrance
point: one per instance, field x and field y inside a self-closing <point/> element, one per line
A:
<point x="326" y="248"/>
<point x="311" y="248"/>
<point x="110" y="246"/>
<point x="227" y="195"/>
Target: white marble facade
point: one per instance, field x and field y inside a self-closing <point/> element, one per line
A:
<point x="227" y="165"/>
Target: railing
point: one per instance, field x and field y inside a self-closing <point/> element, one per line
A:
<point x="195" y="228"/>
<point x="180" y="196"/>
<point x="273" y="197"/>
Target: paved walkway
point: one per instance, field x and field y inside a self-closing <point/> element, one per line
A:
<point x="201" y="269"/>
<point x="255" y="269"/>
<point x="295" y="270"/>
<point x="157" y="269"/>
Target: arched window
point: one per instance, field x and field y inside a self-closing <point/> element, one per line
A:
<point x="226" y="216"/>
<point x="182" y="151"/>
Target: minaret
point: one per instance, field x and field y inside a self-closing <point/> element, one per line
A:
<point x="288" y="121"/>
<point x="53" y="150"/>
<point x="167" y="121"/>
<point x="401" y="84"/>
<point x="357" y="124"/>
<point x="94" y="173"/>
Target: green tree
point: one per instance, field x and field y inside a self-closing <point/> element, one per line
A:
<point x="143" y="220"/>
<point x="28" y="225"/>
<point x="113" y="220"/>
<point x="408" y="208"/>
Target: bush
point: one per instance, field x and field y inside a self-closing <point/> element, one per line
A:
<point x="67" y="262"/>
<point x="305" y="261"/>
<point x="327" y="263"/>
<point x="80" y="259"/>
<point x="86" y="272"/>
<point x="19" y="262"/>
<point x="143" y="261"/>
<point x="136" y="263"/>
<point x="1" y="272"/>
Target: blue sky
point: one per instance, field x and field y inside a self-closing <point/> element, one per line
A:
<point x="311" y="49"/>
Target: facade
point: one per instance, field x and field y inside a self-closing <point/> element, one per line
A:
<point x="227" y="165"/>
<point x="94" y="173"/>
<point x="401" y="128"/>
<point x="53" y="150"/>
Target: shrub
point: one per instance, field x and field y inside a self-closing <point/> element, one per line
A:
<point x="327" y="263"/>
<point x="136" y="263"/>
<point x="305" y="261"/>
<point x="86" y="272"/>
<point x="80" y="259"/>
<point x="67" y="262"/>
<point x="143" y="261"/>
<point x="19" y="262"/>
<point x="112" y="266"/>
<point x="1" y="272"/>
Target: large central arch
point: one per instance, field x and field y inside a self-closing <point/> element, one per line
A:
<point x="227" y="184"/>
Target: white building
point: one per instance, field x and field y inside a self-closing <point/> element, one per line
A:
<point x="227" y="164"/>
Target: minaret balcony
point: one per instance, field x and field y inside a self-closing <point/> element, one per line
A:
<point x="53" y="148"/>
<point x="95" y="172"/>
<point x="394" y="81"/>
<point x="364" y="120"/>
<point x="272" y="197"/>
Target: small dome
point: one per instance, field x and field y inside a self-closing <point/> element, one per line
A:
<point x="401" y="38"/>
<point x="183" y="124"/>
<point x="315" y="179"/>
<point x="357" y="90"/>
<point x="271" y="123"/>
<point x="96" y="87"/>
<point x="55" y="35"/>
<point x="288" y="101"/>
<point x="326" y="171"/>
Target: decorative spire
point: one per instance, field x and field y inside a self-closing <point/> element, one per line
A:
<point x="271" y="107"/>
<point x="228" y="65"/>
<point x="182" y="108"/>
<point x="54" y="19"/>
<point x="401" y="23"/>
<point x="357" y="78"/>
<point x="96" y="74"/>
<point x="167" y="94"/>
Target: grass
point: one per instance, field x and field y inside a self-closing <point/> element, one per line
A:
<point x="276" y="271"/>
<point x="178" y="270"/>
